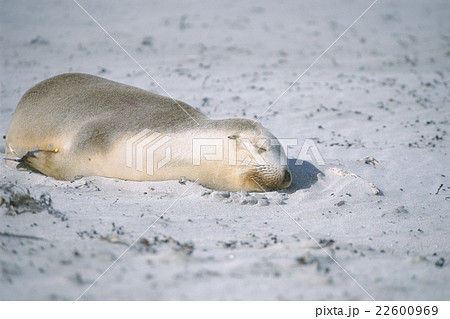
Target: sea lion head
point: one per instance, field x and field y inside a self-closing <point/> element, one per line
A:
<point x="254" y="157"/>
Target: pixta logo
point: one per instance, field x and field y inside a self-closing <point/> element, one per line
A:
<point x="141" y="148"/>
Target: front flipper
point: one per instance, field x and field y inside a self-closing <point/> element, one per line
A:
<point x="44" y="162"/>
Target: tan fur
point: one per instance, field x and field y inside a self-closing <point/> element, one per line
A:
<point x="75" y="125"/>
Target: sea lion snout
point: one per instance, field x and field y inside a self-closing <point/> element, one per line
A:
<point x="266" y="179"/>
<point x="287" y="179"/>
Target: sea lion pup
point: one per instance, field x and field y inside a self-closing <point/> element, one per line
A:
<point x="75" y="125"/>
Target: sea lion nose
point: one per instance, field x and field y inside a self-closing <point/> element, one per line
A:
<point x="287" y="178"/>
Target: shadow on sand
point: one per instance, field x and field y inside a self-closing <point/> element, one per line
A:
<point x="303" y="176"/>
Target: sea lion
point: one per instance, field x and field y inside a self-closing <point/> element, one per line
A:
<point x="75" y="125"/>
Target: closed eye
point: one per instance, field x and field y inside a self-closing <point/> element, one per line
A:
<point x="262" y="150"/>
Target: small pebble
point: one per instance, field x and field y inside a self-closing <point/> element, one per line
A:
<point x="251" y="200"/>
<point x="242" y="202"/>
<point x="263" y="202"/>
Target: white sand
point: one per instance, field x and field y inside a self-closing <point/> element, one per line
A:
<point x="381" y="91"/>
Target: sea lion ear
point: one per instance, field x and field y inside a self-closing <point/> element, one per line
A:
<point x="233" y="137"/>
